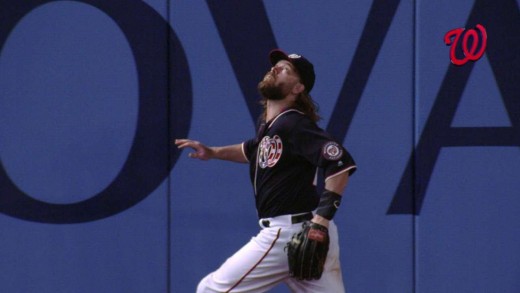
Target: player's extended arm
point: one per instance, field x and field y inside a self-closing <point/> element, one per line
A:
<point x="337" y="185"/>
<point x="232" y="153"/>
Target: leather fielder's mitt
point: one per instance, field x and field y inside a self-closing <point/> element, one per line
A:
<point x="307" y="252"/>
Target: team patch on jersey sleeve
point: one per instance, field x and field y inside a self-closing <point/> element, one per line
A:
<point x="332" y="151"/>
<point x="269" y="151"/>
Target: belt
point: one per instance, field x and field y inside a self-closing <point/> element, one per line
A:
<point x="285" y="220"/>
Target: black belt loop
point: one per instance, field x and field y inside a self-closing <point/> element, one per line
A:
<point x="294" y="219"/>
<point x="300" y="218"/>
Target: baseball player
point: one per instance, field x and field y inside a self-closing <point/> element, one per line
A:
<point x="298" y="240"/>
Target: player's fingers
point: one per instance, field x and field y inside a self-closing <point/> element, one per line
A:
<point x="183" y="145"/>
<point x="195" y="145"/>
<point x="188" y="143"/>
<point x="197" y="155"/>
<point x="179" y="141"/>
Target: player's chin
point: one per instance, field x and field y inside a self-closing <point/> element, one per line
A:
<point x="267" y="85"/>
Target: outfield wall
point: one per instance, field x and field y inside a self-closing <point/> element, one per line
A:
<point x="95" y="198"/>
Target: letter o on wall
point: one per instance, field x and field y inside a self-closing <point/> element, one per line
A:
<point x="165" y="107"/>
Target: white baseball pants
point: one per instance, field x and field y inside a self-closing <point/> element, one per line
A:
<point x="262" y="264"/>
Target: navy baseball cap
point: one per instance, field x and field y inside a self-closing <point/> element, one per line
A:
<point x="303" y="66"/>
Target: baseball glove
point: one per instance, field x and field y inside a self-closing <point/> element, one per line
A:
<point x="307" y="252"/>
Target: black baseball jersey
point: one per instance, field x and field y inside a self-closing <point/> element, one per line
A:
<point x="284" y="159"/>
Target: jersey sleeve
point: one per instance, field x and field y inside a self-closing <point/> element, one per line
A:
<point x="247" y="148"/>
<point x="320" y="149"/>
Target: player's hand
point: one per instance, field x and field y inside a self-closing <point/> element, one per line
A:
<point x="202" y="152"/>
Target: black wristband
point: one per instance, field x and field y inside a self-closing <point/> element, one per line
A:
<point x="329" y="204"/>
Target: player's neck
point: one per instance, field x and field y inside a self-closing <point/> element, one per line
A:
<point x="275" y="107"/>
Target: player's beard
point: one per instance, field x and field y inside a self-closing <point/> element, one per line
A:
<point x="269" y="90"/>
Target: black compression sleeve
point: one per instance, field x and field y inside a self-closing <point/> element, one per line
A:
<point x="329" y="204"/>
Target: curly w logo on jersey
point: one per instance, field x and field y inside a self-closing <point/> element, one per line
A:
<point x="270" y="151"/>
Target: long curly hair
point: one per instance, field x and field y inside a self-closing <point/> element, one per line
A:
<point x="306" y="104"/>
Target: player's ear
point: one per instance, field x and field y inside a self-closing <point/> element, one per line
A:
<point x="298" y="88"/>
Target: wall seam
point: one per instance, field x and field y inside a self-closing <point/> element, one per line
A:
<point x="414" y="154"/>
<point x="169" y="181"/>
